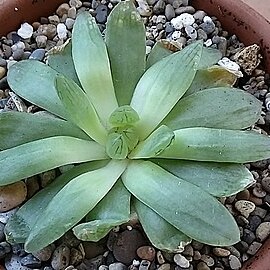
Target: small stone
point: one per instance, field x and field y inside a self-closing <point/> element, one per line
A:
<point x="259" y="212"/>
<point x="44" y="254"/>
<point x="191" y="32"/>
<point x="47" y="178"/>
<point x="76" y="256"/>
<point x="143" y="8"/>
<point x="176" y="35"/>
<point x="4" y="217"/>
<point x="243" y="195"/>
<point x="14" y="263"/>
<point x="208" y="260"/>
<point x="3" y="62"/>
<point x="169" y="12"/>
<point x="62" y="9"/>
<point x="72" y="12"/>
<point x="182" y="20"/>
<point x="102" y="13"/>
<point x="263" y="231"/>
<point x="126" y="244"/>
<point x="30" y="261"/>
<point x="75" y="3"/>
<point x="242" y="246"/>
<point x="221" y="252"/>
<point x="69" y="23"/>
<point x="234" y="262"/>
<point x="254" y="222"/>
<point x="248" y="236"/>
<point x="208" y="42"/>
<point x="54" y="19"/>
<point x="146" y="253"/>
<point x="222" y="45"/>
<point x="117" y="266"/>
<point x="41" y="41"/>
<point x="144" y="265"/>
<point x="181" y="260"/>
<point x="2" y="234"/>
<point x="197" y="245"/>
<point x="37" y="54"/>
<point x="7" y="50"/>
<point x="160" y="257"/>
<point x="60" y="257"/>
<point x="48" y="30"/>
<point x="266" y="183"/>
<point x="102" y="267"/>
<point x="159" y="7"/>
<point x="61" y="31"/>
<point x="234" y="251"/>
<point x="25" y="31"/>
<point x="199" y="15"/>
<point x="18" y="54"/>
<point x="188" y="251"/>
<point x="258" y="191"/>
<point x="12" y="195"/>
<point x="4" y="249"/>
<point x="253" y="248"/>
<point x="245" y="207"/>
<point x="197" y="255"/>
<point x="208" y="27"/>
<point x="202" y="35"/>
<point x="202" y="266"/>
<point x="165" y="266"/>
<point x="2" y="72"/>
<point x="187" y="9"/>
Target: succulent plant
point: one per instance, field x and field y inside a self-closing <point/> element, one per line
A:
<point x="164" y="136"/>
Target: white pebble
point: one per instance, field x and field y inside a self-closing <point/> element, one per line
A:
<point x="176" y="35"/>
<point x="207" y="19"/>
<point x="182" y="20"/>
<point x="229" y="64"/>
<point x="191" y="32"/>
<point x="208" y="42"/>
<point x="61" y="31"/>
<point x="25" y="31"/>
<point x="148" y="49"/>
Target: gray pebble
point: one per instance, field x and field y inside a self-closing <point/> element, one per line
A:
<point x="103" y="267"/>
<point x="37" y="54"/>
<point x="253" y="248"/>
<point x="2" y="234"/>
<point x="208" y="260"/>
<point x="44" y="254"/>
<point x="263" y="231"/>
<point x="3" y="62"/>
<point x="208" y="27"/>
<point x="258" y="191"/>
<point x="54" y="19"/>
<point x="254" y="222"/>
<point x="181" y="260"/>
<point x="18" y="249"/>
<point x="259" y="212"/>
<point x="191" y="32"/>
<point x="248" y="236"/>
<point x="266" y="180"/>
<point x="75" y="3"/>
<point x="102" y="13"/>
<point x="69" y="23"/>
<point x="4" y="249"/>
<point x="177" y="3"/>
<point x="242" y="246"/>
<point x="187" y="9"/>
<point x="202" y="35"/>
<point x="199" y="15"/>
<point x="76" y="256"/>
<point x="169" y="12"/>
<point x="7" y="50"/>
<point x="221" y="252"/>
<point x="202" y="266"/>
<point x="72" y="13"/>
<point x="14" y="263"/>
<point x="168" y="27"/>
<point x="234" y="262"/>
<point x="117" y="266"/>
<point x="222" y="45"/>
<point x="30" y="261"/>
<point x="159" y="7"/>
<point x="47" y="177"/>
<point x="185" y="2"/>
<point x="60" y="257"/>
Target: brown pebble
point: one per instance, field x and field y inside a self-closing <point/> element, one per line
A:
<point x="2" y="72"/>
<point x="256" y="200"/>
<point x="208" y="260"/>
<point x="36" y="25"/>
<point x="263" y="231"/>
<point x="165" y="266"/>
<point x="245" y="207"/>
<point x="146" y="253"/>
<point x="221" y="252"/>
<point x="12" y="195"/>
<point x="197" y="255"/>
<point x="202" y="266"/>
<point x="62" y="9"/>
<point x="258" y="191"/>
<point x="243" y="195"/>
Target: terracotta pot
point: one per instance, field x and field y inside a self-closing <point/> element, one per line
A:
<point x="248" y="19"/>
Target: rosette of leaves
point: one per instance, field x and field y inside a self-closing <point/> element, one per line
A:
<point x="163" y="135"/>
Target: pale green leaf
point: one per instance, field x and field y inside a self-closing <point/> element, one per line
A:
<point x="162" y="234"/>
<point x="72" y="203"/>
<point x="124" y="116"/>
<point x="222" y="107"/>
<point x="60" y="59"/>
<point x="34" y="81"/>
<point x="210" y="57"/>
<point x="92" y="65"/>
<point x="152" y="146"/>
<point x="163" y="85"/>
<point x="19" y="128"/>
<point x="80" y="110"/>
<point x="22" y="222"/>
<point x="212" y="77"/>
<point x="157" y="53"/>
<point x="116" y="145"/>
<point x="39" y="156"/>
<point x="184" y="205"/>
<point x="218" y="179"/>
<point x="111" y="211"/>
<point x="207" y="144"/>
<point x="125" y="38"/>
